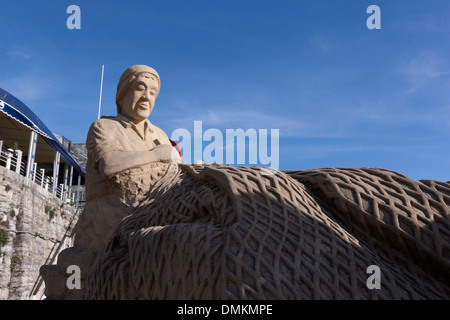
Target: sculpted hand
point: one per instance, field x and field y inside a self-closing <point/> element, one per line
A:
<point x="167" y="153"/>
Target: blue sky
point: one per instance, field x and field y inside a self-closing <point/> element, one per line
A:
<point x="340" y="94"/>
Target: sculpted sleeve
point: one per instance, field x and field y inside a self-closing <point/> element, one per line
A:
<point x="101" y="140"/>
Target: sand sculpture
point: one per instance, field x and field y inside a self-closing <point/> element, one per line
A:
<point x="156" y="228"/>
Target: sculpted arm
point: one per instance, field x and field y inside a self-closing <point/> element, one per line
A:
<point x="110" y="158"/>
<point x="118" y="161"/>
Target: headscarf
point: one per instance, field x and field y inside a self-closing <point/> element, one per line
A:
<point x="129" y="76"/>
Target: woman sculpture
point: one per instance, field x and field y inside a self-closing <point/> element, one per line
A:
<point x="155" y="228"/>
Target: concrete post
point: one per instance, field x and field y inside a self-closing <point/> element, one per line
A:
<point x="31" y="155"/>
<point x="18" y="160"/>
<point x="69" y="191"/>
<point x="78" y="190"/>
<point x="56" y="172"/>
<point x="64" y="194"/>
<point x="34" y="171"/>
<point x="9" y="154"/>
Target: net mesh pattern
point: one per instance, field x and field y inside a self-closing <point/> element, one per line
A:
<point x="225" y="232"/>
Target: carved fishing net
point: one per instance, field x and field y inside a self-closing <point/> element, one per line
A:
<point x="226" y="232"/>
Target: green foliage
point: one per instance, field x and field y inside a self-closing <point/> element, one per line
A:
<point x="3" y="238"/>
<point x="47" y="209"/>
<point x="7" y="187"/>
<point x="14" y="261"/>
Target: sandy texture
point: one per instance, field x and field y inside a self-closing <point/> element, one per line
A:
<point x="224" y="232"/>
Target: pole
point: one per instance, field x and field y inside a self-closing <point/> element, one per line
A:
<point x="56" y="172"/>
<point x="31" y="155"/>
<point x="101" y="88"/>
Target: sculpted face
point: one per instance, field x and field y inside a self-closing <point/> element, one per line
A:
<point x="138" y="102"/>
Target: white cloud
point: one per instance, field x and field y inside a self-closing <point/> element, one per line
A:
<point x="424" y="67"/>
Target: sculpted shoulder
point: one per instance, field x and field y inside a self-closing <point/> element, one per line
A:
<point x="101" y="129"/>
<point x="104" y="123"/>
<point x="160" y="133"/>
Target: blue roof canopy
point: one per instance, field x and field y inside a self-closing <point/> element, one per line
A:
<point x="17" y="110"/>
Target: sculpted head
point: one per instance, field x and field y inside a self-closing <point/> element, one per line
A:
<point x="137" y="91"/>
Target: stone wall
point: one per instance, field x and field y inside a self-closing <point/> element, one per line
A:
<point x="34" y="227"/>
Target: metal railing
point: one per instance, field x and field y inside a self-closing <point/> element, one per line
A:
<point x="12" y="160"/>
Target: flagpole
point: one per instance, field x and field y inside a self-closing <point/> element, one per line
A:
<point x="101" y="88"/>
